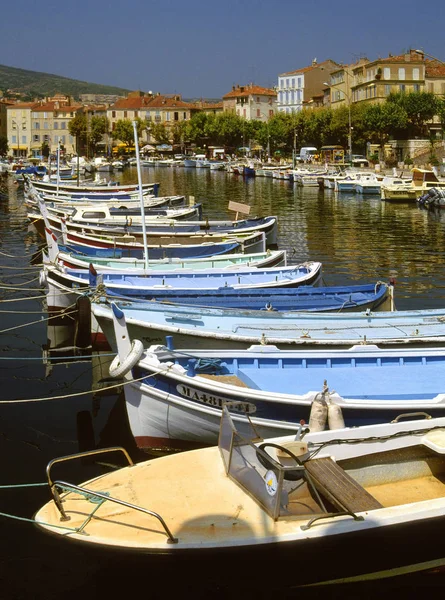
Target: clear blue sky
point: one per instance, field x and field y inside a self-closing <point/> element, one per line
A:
<point x="201" y="48"/>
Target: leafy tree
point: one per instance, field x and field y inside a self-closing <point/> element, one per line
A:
<point x="124" y="131"/>
<point x="4" y="146"/>
<point x="78" y="129"/>
<point x="178" y="132"/>
<point x="380" y="121"/>
<point x="228" y="128"/>
<point x="45" y="150"/>
<point x="98" y="127"/>
<point x="196" y="128"/>
<point x="160" y="133"/>
<point x="420" y="107"/>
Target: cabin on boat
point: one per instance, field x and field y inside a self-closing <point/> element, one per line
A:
<point x="425" y="179"/>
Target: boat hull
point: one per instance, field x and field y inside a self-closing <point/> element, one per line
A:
<point x="391" y="551"/>
<point x="178" y="407"/>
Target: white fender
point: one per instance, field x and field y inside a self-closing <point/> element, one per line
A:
<point x="335" y="417"/>
<point x="319" y="414"/>
<point x="118" y="369"/>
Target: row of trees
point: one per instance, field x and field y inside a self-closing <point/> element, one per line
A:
<point x="400" y="116"/>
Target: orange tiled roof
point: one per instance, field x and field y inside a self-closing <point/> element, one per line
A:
<point x="24" y="104"/>
<point x="250" y="90"/>
<point x="169" y="102"/>
<point x="433" y="68"/>
<point x="52" y="106"/>
<point x="413" y="57"/>
<point x="309" y="68"/>
<point x="134" y="103"/>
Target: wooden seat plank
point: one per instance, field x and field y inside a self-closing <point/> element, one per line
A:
<point x="338" y="487"/>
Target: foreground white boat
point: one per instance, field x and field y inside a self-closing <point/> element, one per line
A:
<point x="311" y="508"/>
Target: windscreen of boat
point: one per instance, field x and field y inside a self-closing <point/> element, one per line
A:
<point x="259" y="475"/>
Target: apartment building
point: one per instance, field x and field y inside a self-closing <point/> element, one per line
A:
<point x="18" y="124"/>
<point x="304" y="87"/>
<point x="167" y="109"/>
<point x="373" y="81"/>
<point x="32" y="124"/>
<point x="252" y="102"/>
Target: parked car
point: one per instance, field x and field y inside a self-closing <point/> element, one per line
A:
<point x="358" y="160"/>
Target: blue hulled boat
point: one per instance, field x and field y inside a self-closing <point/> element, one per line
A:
<point x="176" y="396"/>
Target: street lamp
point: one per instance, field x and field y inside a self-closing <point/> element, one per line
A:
<point x="16" y="126"/>
<point x="348" y="97"/>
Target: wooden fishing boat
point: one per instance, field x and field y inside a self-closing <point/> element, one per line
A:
<point x="98" y="220"/>
<point x="165" y="246"/>
<point x="63" y="256"/>
<point x="332" y="299"/>
<point x="54" y="188"/>
<point x="167" y="252"/>
<point x="65" y="285"/>
<point x="176" y="396"/>
<point x="204" y="327"/>
<point x="266" y="506"/>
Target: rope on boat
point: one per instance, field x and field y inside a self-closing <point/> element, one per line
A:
<point x="15" y="256"/>
<point x="89" y="497"/>
<point x="32" y="268"/>
<point x="83" y="356"/>
<point x="19" y="289"/>
<point x="84" y="393"/>
<point x="39" y="297"/>
<point x="41" y="320"/>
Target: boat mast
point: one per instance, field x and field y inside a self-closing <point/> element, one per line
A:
<point x="141" y="198"/>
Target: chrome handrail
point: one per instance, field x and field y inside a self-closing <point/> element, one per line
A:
<point x="82" y="490"/>
<point x="83" y="455"/>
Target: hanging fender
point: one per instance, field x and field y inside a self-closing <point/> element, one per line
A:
<point x="118" y="369"/>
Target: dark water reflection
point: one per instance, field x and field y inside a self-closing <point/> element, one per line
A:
<point x="357" y="240"/>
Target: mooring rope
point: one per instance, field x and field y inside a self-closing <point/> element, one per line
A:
<point x="78" y="394"/>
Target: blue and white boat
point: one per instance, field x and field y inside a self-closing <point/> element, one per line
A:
<point x="65" y="285"/>
<point x="336" y="299"/>
<point x="166" y="252"/>
<point x="176" y="396"/>
<point x="167" y="246"/>
<point x="203" y="327"/>
<point x="61" y="255"/>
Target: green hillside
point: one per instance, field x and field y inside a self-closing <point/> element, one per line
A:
<point x="35" y="84"/>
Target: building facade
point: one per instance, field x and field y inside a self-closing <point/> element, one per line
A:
<point x="304" y="87"/>
<point x="152" y="109"/>
<point x="252" y="102"/>
<point x="33" y="124"/>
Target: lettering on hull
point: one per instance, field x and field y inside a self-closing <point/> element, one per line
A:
<point x="215" y="401"/>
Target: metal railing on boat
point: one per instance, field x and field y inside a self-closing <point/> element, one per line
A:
<point x="65" y="486"/>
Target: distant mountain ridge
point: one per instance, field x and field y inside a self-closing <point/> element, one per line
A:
<point x="35" y="83"/>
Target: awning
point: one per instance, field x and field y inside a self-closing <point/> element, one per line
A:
<point x="148" y="148"/>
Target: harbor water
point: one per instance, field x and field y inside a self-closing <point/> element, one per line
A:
<point x="56" y="404"/>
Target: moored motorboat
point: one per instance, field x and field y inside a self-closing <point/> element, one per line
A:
<point x="267" y="504"/>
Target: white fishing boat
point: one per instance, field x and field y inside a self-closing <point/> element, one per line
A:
<point x="279" y="506"/>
